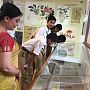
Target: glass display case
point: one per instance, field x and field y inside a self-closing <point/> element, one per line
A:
<point x="68" y="69"/>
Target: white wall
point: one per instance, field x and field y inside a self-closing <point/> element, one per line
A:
<point x="76" y="27"/>
<point x="1" y="2"/>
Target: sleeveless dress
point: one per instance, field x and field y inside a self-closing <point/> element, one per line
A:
<point x="6" y="45"/>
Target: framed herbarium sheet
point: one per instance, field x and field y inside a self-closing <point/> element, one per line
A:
<point x="76" y="15"/>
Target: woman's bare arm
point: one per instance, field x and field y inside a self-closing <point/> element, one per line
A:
<point x="6" y="65"/>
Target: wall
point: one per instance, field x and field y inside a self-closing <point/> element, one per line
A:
<point x="31" y="20"/>
<point x="1" y="2"/>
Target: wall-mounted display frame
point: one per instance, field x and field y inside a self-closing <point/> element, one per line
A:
<point x="76" y="15"/>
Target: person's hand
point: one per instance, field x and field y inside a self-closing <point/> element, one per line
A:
<point x="26" y="67"/>
<point x="18" y="76"/>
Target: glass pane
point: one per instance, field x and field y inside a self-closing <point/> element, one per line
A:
<point x="68" y="69"/>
